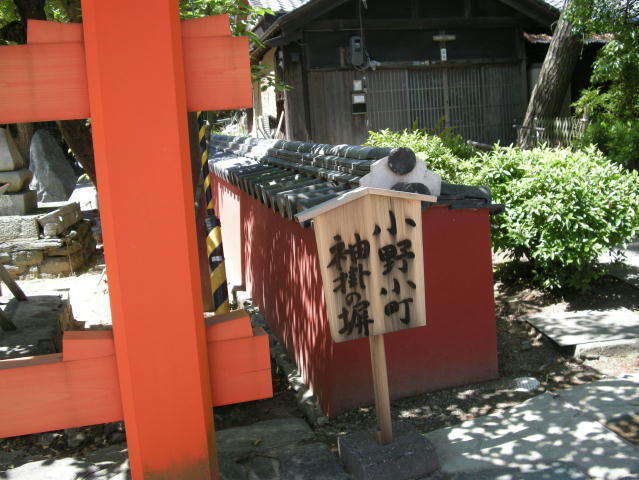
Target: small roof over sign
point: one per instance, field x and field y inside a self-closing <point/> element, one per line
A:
<point x="352" y="195"/>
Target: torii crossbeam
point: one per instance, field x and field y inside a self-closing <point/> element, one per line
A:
<point x="135" y="70"/>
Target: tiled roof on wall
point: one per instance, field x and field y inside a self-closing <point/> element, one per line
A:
<point x="290" y="177"/>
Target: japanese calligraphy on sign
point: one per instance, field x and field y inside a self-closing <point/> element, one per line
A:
<point x="370" y="251"/>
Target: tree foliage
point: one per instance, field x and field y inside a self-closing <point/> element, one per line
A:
<point x="615" y="77"/>
<point x="242" y="15"/>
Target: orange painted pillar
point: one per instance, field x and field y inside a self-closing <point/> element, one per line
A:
<point x="139" y="117"/>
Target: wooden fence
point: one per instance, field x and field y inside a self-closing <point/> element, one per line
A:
<point x="555" y="132"/>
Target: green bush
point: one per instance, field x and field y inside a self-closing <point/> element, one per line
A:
<point x="564" y="208"/>
<point x="617" y="139"/>
<point x="448" y="156"/>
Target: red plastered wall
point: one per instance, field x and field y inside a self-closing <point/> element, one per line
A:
<point x="280" y="268"/>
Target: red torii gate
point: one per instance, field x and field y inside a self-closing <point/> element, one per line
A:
<point x="136" y="71"/>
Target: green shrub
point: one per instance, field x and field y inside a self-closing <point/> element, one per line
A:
<point x="448" y="157"/>
<point x="563" y="209"/>
<point x="617" y="139"/>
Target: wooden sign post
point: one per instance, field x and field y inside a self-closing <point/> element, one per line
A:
<point x="369" y="243"/>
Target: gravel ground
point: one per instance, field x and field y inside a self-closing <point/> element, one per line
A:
<point x="523" y="352"/>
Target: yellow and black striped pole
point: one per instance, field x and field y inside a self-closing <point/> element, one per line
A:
<point x="214" y="250"/>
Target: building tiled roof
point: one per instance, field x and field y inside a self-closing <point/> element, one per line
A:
<point x="285" y="6"/>
<point x="559" y="4"/>
<point x="279" y="6"/>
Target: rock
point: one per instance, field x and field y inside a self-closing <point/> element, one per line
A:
<point x="56" y="222"/>
<point x="15" y="271"/>
<point x="86" y="195"/>
<point x="8" y="458"/>
<point x="27" y="244"/>
<point x="73" y="247"/>
<point x="18" y="180"/>
<point x="21" y="203"/>
<point x="10" y="158"/>
<point x="62" y="265"/>
<point x="28" y="258"/>
<point x="53" y="177"/>
<point x="408" y="456"/>
<point x="46" y="439"/>
<point x="13" y="227"/>
<point x="75" y="437"/>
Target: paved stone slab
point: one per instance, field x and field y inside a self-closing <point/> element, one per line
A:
<point x="264" y="435"/>
<point x="609" y="348"/>
<point x="38" y="323"/>
<point x="533" y="436"/>
<point x="282" y="449"/>
<point x="409" y="456"/>
<point x="289" y="462"/>
<point x="587" y="326"/>
<point x="559" y="471"/>
<point x="109" y="463"/>
<point x="627" y="269"/>
<point x="605" y="400"/>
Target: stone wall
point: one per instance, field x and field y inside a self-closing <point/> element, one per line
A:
<point x="26" y="253"/>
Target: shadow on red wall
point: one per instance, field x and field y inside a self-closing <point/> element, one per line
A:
<point x="280" y="268"/>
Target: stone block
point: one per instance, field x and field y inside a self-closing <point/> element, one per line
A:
<point x="21" y="203"/>
<point x="409" y="456"/>
<point x="73" y="247"/>
<point x="14" y="227"/>
<point x="18" y="180"/>
<point x="15" y="271"/>
<point x="62" y="265"/>
<point x="28" y="258"/>
<point x="56" y="222"/>
<point x="86" y="195"/>
<point x="5" y="257"/>
<point x="10" y="158"/>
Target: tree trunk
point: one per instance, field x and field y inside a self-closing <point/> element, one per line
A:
<point x="73" y="10"/>
<point x="78" y="137"/>
<point x="556" y="72"/>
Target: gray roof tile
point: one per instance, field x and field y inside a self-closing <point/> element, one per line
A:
<point x="285" y="6"/>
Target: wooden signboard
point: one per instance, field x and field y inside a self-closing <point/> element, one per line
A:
<point x="369" y="243"/>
